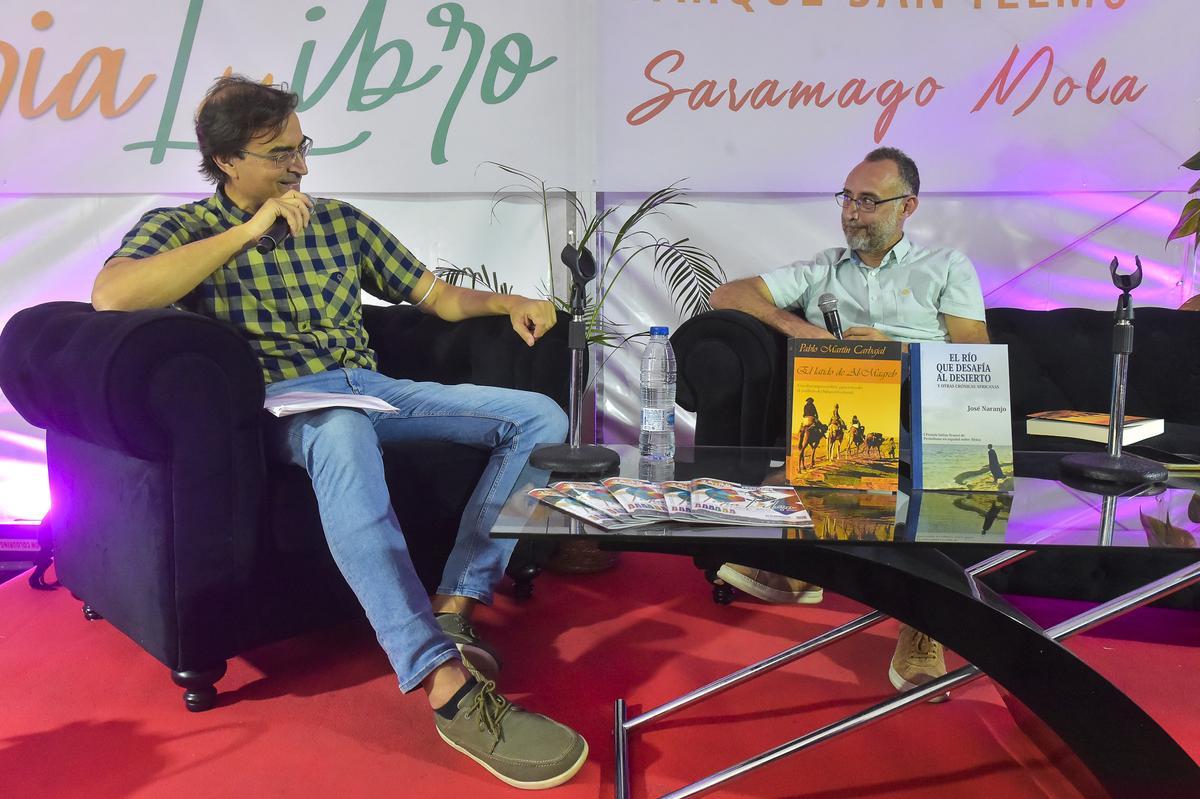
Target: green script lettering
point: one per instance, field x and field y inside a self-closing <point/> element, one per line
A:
<point x="363" y="39"/>
<point x="162" y="141"/>
<point x="364" y="36"/>
<point x="521" y="68"/>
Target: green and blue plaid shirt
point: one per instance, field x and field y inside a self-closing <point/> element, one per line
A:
<point x="298" y="306"/>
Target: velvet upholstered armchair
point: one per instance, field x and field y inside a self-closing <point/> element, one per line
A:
<point x="167" y="519"/>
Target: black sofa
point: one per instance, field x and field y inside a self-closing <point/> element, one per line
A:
<point x="168" y="521"/>
<point x="731" y="373"/>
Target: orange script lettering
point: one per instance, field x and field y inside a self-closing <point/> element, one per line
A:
<point x="708" y="93"/>
<point x="62" y="96"/>
<point x="1125" y="90"/>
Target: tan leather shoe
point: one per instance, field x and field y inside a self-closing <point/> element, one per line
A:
<point x="769" y="586"/>
<point x="918" y="660"/>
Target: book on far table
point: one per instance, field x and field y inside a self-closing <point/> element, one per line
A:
<point x="1089" y="426"/>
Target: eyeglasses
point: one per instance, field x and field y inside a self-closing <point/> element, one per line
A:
<point x="285" y="157"/>
<point x="866" y="204"/>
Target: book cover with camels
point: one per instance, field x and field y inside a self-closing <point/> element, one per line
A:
<point x="843" y="414"/>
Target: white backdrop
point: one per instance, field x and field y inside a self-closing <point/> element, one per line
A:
<point x="1039" y="199"/>
<point x="690" y="75"/>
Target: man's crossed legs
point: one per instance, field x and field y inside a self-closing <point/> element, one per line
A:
<point x="341" y="449"/>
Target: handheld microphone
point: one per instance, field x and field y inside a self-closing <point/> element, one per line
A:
<point x="829" y="308"/>
<point x="275" y="234"/>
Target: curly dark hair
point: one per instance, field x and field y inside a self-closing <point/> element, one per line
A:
<point x="907" y="166"/>
<point x="235" y="110"/>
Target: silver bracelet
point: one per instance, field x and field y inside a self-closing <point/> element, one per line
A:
<point x="428" y="291"/>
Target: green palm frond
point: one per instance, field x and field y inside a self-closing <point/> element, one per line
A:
<point x="459" y="275"/>
<point x="1188" y="225"/>
<point x="691" y="275"/>
<point x="535" y="184"/>
<point x="688" y="272"/>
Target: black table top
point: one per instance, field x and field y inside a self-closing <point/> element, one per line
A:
<point x="1041" y="511"/>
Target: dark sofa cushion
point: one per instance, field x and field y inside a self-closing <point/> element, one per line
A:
<point x="1063" y="359"/>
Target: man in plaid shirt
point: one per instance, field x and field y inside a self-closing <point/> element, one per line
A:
<point x="298" y="306"/>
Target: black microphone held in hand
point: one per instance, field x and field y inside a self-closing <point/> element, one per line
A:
<point x="829" y="307"/>
<point x="275" y="234"/>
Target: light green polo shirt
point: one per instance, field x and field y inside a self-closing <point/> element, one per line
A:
<point x="902" y="298"/>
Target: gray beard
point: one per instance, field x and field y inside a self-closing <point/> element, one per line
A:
<point x="858" y="241"/>
<point x="864" y="241"/>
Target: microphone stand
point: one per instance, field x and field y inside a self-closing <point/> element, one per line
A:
<point x="575" y="459"/>
<point x="1115" y="466"/>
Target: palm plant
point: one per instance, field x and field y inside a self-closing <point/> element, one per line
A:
<point x="1189" y="218"/>
<point x="481" y="278"/>
<point x="690" y="273"/>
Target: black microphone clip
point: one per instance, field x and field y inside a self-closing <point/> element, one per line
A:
<point x="582" y="266"/>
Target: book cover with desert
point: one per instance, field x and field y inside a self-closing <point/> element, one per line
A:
<point x="843" y="414"/>
<point x="961" y="419"/>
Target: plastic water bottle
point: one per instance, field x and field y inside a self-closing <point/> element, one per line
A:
<point x="657" y="439"/>
<point x="656" y="470"/>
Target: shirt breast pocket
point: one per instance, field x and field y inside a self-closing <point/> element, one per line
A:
<point x="911" y="311"/>
<point x="336" y="295"/>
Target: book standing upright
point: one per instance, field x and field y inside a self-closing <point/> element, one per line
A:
<point x="961" y="422"/>
<point x="843" y="414"/>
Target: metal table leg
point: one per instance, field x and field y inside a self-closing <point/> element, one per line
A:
<point x="1178" y="782"/>
<point x="623" y="725"/>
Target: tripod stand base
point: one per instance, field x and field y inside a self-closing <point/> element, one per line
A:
<point x="587" y="460"/>
<point x="1104" y="468"/>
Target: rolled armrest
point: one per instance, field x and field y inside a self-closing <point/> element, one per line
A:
<point x="112" y="378"/>
<point x="485" y="351"/>
<point x="730" y="372"/>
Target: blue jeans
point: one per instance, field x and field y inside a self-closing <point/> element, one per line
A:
<point x="341" y="450"/>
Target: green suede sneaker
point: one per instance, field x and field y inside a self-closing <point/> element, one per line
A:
<point x="524" y="749"/>
<point x="476" y="654"/>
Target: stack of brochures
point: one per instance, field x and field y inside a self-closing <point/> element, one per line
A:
<point x="618" y="503"/>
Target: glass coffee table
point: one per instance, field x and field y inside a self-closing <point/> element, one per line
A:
<point x="888" y="551"/>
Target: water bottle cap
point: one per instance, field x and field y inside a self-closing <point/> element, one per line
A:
<point x="659" y="331"/>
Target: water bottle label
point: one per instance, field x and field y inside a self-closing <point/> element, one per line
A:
<point x="658" y="420"/>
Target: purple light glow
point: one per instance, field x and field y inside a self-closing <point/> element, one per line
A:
<point x="23" y="441"/>
<point x="24" y="490"/>
<point x="1147" y="215"/>
<point x="24" y="486"/>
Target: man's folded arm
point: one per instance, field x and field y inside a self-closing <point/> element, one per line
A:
<point x="750" y="295"/>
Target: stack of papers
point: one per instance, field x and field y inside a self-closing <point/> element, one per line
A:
<point x="291" y="402"/>
<point x="620" y="502"/>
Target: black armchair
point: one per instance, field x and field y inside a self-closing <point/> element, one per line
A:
<point x="167" y="519"/>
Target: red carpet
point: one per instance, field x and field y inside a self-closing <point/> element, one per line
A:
<point x="85" y="713"/>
